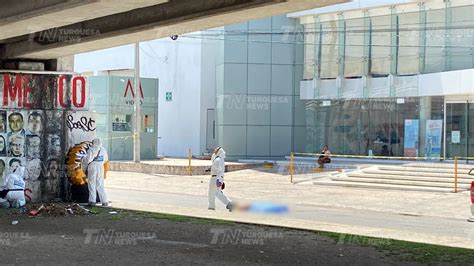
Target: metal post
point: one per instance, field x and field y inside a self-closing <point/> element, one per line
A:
<point x="472" y="203"/>
<point x="190" y="155"/>
<point x="136" y="106"/>
<point x="291" y="167"/>
<point x="455" y="174"/>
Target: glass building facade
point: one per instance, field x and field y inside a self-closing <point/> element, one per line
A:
<point x="392" y="80"/>
<point x="258" y="72"/>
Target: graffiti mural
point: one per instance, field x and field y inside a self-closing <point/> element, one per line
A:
<point x="33" y="125"/>
<point x="80" y="127"/>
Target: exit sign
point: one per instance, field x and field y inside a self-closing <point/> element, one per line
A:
<point x="169" y="96"/>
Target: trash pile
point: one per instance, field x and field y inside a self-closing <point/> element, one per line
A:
<point x="56" y="209"/>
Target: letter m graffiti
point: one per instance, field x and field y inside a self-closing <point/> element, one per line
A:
<point x="12" y="89"/>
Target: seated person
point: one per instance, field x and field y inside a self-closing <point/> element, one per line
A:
<point x="385" y="151"/>
<point x="324" y="158"/>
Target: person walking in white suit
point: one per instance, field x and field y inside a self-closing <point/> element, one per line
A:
<point x="95" y="158"/>
<point x="216" y="184"/>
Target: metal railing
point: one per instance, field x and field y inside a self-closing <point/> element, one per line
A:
<point x="456" y="159"/>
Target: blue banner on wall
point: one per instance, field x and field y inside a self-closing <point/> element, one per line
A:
<point x="411" y="137"/>
<point x="434" y="131"/>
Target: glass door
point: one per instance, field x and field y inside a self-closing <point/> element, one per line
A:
<point x="457" y="131"/>
<point x="470" y="133"/>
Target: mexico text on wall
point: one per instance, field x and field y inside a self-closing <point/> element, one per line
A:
<point x="38" y="125"/>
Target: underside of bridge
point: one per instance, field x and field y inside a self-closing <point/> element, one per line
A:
<point x="45" y="30"/>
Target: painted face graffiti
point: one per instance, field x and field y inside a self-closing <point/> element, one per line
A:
<point x="53" y="169"/>
<point x="16" y="143"/>
<point x="34" y="169"/>
<point x="35" y="123"/>
<point x="54" y="145"/>
<point x="33" y="145"/>
<point x="2" y="145"/>
<point x="2" y="168"/>
<point x="15" y="121"/>
<point x="2" y="122"/>
<point x="13" y="165"/>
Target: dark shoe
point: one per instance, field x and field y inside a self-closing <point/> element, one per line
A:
<point x="230" y="206"/>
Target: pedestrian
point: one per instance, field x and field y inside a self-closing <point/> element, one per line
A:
<point x="96" y="158"/>
<point x="216" y="184"/>
<point x="324" y="157"/>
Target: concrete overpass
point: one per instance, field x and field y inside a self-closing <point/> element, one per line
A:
<point x="49" y="29"/>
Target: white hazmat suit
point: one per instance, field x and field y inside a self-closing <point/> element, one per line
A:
<point x="95" y="158"/>
<point x="217" y="179"/>
<point x="14" y="181"/>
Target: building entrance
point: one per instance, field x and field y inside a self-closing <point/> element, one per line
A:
<point x="459" y="129"/>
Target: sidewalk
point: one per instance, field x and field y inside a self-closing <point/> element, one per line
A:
<point x="435" y="218"/>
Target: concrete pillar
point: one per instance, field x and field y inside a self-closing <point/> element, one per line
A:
<point x="64" y="64"/>
<point x="425" y="114"/>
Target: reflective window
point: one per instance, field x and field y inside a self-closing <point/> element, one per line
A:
<point x="121" y="122"/>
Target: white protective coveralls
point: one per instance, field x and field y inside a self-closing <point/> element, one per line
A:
<point x="217" y="179"/>
<point x="95" y="158"/>
<point x="14" y="199"/>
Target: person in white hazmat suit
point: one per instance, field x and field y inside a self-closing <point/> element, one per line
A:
<point x="95" y="158"/>
<point x="216" y="184"/>
<point x="15" y="198"/>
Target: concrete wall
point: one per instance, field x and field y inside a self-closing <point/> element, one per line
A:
<point x="259" y="110"/>
<point x="210" y="53"/>
<point x="177" y="64"/>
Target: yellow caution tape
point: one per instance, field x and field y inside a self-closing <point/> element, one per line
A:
<point x="378" y="157"/>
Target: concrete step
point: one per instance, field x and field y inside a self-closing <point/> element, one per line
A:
<point x="312" y="164"/>
<point x="409" y="178"/>
<point x="350" y="160"/>
<point x="399" y="182"/>
<point x="381" y="186"/>
<point x="449" y="165"/>
<point x="375" y="171"/>
<point x="424" y="169"/>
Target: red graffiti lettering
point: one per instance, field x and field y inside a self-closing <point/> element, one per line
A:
<point x="82" y="82"/>
<point x="24" y="90"/>
<point x="12" y="91"/>
<point x="61" y="81"/>
<point x="27" y="89"/>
